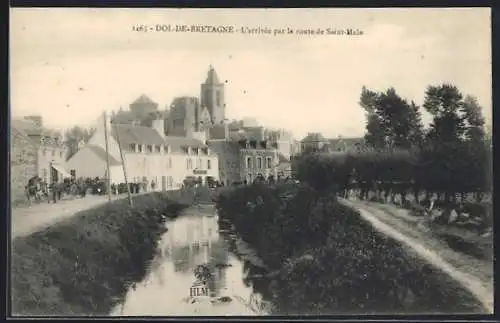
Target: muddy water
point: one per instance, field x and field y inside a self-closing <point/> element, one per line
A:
<point x="195" y="273"/>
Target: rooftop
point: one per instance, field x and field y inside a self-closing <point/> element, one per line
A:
<point x="135" y="134"/>
<point x="313" y="137"/>
<point x="101" y="153"/>
<point x="143" y="99"/>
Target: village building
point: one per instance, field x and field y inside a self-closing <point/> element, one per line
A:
<point x="341" y="144"/>
<point x="244" y="154"/>
<point x="35" y="151"/>
<point x="313" y="142"/>
<point x="149" y="157"/>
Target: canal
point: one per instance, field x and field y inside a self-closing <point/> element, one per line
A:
<point x="202" y="268"/>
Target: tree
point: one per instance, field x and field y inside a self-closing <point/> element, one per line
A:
<point x="375" y="135"/>
<point x="474" y="120"/>
<point x="392" y="121"/>
<point x="76" y="135"/>
<point x="445" y="104"/>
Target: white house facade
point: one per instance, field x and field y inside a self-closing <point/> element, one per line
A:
<point x="148" y="157"/>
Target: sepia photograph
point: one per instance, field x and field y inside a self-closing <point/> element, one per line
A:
<point x="250" y="162"/>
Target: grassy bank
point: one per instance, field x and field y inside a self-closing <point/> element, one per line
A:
<point x="84" y="265"/>
<point x="330" y="261"/>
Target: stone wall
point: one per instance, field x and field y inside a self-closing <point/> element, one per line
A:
<point x="23" y="165"/>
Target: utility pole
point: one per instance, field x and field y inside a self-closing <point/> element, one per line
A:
<point x="108" y="177"/>
<point x="124" y="168"/>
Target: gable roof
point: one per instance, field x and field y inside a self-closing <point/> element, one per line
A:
<point x="242" y="135"/>
<point x="28" y="127"/>
<point x="143" y="99"/>
<point x="177" y="144"/>
<point x="282" y="158"/>
<point x="344" y="143"/>
<point x="25" y="137"/>
<point x="101" y="153"/>
<point x="313" y="137"/>
<point x="134" y="134"/>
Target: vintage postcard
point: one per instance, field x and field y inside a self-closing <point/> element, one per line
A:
<point x="250" y="162"/>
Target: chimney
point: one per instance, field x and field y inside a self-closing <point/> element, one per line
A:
<point x="159" y="126"/>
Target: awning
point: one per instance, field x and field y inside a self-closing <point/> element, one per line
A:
<point x="61" y="170"/>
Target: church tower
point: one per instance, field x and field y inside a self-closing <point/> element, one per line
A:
<point x="212" y="97"/>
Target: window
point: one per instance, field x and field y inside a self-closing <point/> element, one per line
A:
<point x="169" y="162"/>
<point x="157" y="149"/>
<point x="132" y="147"/>
<point x="189" y="163"/>
<point x="269" y="162"/>
<point x="61" y="154"/>
<point x="259" y="162"/>
<point x="249" y="162"/>
<point x="149" y="148"/>
<point x="198" y="163"/>
<point x="53" y="152"/>
<point x="140" y="148"/>
<point x="44" y="152"/>
<point x="209" y="165"/>
<point x="217" y="97"/>
<point x="72" y="173"/>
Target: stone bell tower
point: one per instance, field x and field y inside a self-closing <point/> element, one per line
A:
<point x="212" y="97"/>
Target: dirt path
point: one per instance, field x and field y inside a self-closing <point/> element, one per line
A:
<point x="26" y="220"/>
<point x="479" y="284"/>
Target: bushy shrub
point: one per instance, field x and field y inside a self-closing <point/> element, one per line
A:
<point x="331" y="261"/>
<point x="84" y="265"/>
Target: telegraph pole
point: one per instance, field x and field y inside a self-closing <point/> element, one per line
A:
<point x="108" y="177"/>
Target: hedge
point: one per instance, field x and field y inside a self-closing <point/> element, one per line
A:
<point x="447" y="171"/>
<point x="84" y="265"/>
<point x="330" y="261"/>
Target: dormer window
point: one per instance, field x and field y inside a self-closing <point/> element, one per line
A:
<point x="139" y="148"/>
<point x="149" y="149"/>
<point x="132" y="147"/>
<point x="157" y="149"/>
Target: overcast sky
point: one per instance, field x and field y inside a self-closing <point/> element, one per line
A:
<point x="70" y="64"/>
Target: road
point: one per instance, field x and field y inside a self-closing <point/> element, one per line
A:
<point x="26" y="220"/>
<point x="395" y="228"/>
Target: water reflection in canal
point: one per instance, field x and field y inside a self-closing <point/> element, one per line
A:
<point x="194" y="273"/>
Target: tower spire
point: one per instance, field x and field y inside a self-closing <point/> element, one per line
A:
<point x="212" y="76"/>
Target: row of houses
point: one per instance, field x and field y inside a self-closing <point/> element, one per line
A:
<point x="150" y="156"/>
<point x="226" y="152"/>
<point x="35" y="151"/>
